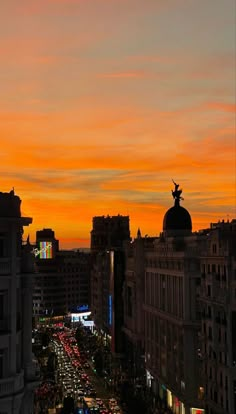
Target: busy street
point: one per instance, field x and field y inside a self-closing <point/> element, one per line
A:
<point x="70" y="383"/>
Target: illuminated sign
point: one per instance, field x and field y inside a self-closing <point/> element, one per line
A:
<point x="197" y="411"/>
<point x="82" y="308"/>
<point x="87" y="323"/>
<point x="44" y="251"/>
<point x="75" y="317"/>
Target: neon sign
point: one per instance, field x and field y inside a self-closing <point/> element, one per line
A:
<point x="44" y="249"/>
<point x="82" y="308"/>
<point x="110" y="310"/>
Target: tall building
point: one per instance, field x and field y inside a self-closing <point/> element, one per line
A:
<point x="18" y="370"/>
<point x="74" y="265"/>
<point x="161" y="294"/>
<point x="49" y="289"/>
<point x="107" y="237"/>
<point x="62" y="281"/>
<point x="218" y="328"/>
<point x="133" y="296"/>
<point x="109" y="232"/>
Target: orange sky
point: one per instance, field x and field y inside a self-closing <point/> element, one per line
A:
<point x="103" y="102"/>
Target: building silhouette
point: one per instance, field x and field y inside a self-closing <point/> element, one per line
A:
<point x="162" y="315"/>
<point x="18" y="369"/>
<point x="107" y="276"/>
<point x="179" y="314"/>
<point x="62" y="281"/>
<point x="109" y="232"/>
<point x="49" y="288"/>
<point x="217" y="353"/>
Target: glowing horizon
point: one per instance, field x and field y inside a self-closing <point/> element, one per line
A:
<point x="104" y="102"/>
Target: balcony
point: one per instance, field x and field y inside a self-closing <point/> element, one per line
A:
<point x="12" y="385"/>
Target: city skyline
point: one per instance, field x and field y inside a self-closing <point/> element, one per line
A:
<point x="104" y="102"/>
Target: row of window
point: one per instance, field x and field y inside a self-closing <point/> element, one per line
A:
<point x="73" y="269"/>
<point x="164" y="264"/>
<point x="214" y="268"/>
<point x="217" y="397"/>
<point x="165" y="292"/>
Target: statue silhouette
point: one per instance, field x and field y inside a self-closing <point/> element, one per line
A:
<point x="176" y="193"/>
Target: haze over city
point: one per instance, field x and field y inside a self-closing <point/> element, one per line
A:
<point x="103" y="102"/>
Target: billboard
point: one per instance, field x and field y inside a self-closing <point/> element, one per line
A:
<point x="45" y="250"/>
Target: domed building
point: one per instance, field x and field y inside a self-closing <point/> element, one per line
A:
<point x="179" y="313"/>
<point x="171" y="318"/>
<point x="177" y="220"/>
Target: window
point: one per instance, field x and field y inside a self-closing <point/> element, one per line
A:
<point x="129" y="301"/>
<point x="208" y="290"/>
<point x="210" y="332"/>
<point x="1" y="363"/>
<point x="3" y="247"/>
<point x="1" y="306"/>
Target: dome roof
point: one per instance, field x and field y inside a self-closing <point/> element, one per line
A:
<point x="177" y="218"/>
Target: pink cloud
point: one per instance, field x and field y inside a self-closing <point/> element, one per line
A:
<point x="225" y="107"/>
<point x="135" y="74"/>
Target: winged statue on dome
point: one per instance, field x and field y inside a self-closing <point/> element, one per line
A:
<point x="177" y="192"/>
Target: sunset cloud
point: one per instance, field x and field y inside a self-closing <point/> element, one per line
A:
<point x="225" y="107"/>
<point x="137" y="74"/>
<point x="104" y="102"/>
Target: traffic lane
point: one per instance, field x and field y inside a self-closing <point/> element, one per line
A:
<point x="102" y="390"/>
<point x="97" y="383"/>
